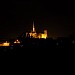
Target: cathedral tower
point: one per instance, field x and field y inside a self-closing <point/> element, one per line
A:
<point x="33" y="33"/>
<point x="33" y="27"/>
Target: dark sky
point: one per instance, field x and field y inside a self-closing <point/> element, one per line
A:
<point x="17" y="17"/>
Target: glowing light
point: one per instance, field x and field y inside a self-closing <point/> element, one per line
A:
<point x="0" y="44"/>
<point x="6" y="44"/>
<point x="43" y="36"/>
<point x="34" y="34"/>
<point x="17" y="41"/>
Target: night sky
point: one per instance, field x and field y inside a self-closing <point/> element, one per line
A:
<point x="17" y="17"/>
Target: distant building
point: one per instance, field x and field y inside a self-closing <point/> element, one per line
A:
<point x="34" y="34"/>
<point x="5" y="44"/>
<point x="17" y="42"/>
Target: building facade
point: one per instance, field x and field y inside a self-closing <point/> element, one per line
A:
<point x="34" y="34"/>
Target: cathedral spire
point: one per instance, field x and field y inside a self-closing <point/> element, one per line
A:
<point x="33" y="27"/>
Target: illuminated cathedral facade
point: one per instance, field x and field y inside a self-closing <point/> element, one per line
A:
<point x="34" y="34"/>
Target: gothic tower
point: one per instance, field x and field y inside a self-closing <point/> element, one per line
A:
<point x="33" y="27"/>
<point x="33" y="33"/>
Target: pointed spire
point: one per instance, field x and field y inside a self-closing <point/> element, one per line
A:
<point x="33" y="27"/>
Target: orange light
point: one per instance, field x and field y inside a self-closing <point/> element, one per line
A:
<point x="0" y="44"/>
<point x="6" y="44"/>
<point x="17" y="41"/>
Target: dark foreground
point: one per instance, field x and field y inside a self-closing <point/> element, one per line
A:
<point x="39" y="56"/>
<point x="36" y="48"/>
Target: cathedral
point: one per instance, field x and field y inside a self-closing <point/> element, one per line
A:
<point x="34" y="34"/>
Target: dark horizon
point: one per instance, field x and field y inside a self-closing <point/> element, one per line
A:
<point x="17" y="17"/>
